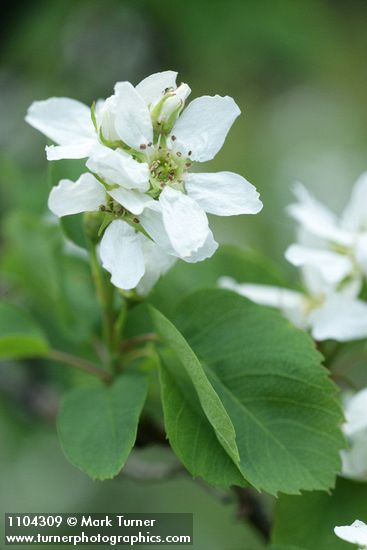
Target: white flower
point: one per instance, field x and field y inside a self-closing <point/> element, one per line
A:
<point x="355" y="533"/>
<point x="337" y="246"/>
<point x="354" y="459"/>
<point x="140" y="145"/>
<point x="329" y="314"/>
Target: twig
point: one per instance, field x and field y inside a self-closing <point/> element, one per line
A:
<point x="141" y="339"/>
<point x="251" y="509"/>
<point x="79" y="363"/>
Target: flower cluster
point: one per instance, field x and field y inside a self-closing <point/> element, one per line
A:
<point x="332" y="256"/>
<point x="140" y="145"/>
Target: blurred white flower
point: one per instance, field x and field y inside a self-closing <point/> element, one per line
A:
<point x="338" y="247"/>
<point x="140" y="145"/>
<point x="355" y="533"/>
<point x="354" y="459"/>
<point x="328" y="313"/>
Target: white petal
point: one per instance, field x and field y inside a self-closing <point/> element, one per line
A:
<point x="332" y="266"/>
<point x="293" y="304"/>
<point x="205" y="251"/>
<point x="223" y="193"/>
<point x="134" y="201"/>
<point x="153" y="87"/>
<point x="72" y="197"/>
<point x="152" y="221"/>
<point x="354" y="460"/>
<point x="185" y="221"/>
<point x="316" y="218"/>
<point x="174" y="102"/>
<point x="355" y="533"/>
<point x="355" y="214"/>
<point x="203" y="126"/>
<point x="80" y="150"/>
<point x="157" y="262"/>
<point x="117" y="167"/>
<point x="339" y="318"/>
<point x="65" y="121"/>
<point x="122" y="255"/>
<point x="132" y="123"/>
<point x="356" y="414"/>
<point x="361" y="251"/>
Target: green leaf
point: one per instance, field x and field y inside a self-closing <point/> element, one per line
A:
<point x="73" y="228"/>
<point x="245" y="266"/>
<point x="270" y="379"/>
<point x="209" y="400"/>
<point x="190" y="433"/>
<point x="20" y="337"/>
<point x="309" y="520"/>
<point x="97" y="425"/>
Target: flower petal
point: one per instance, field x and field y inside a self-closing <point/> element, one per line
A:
<point x="152" y="87"/>
<point x="339" y="318"/>
<point x="354" y="460"/>
<point x="223" y="193"/>
<point x="333" y="267"/>
<point x="356" y="414"/>
<point x="117" y="167"/>
<point x="65" y="121"/>
<point x="72" y="197"/>
<point x="205" y="251"/>
<point x="132" y="200"/>
<point x="78" y="151"/>
<point x="316" y="218"/>
<point x="355" y="533"/>
<point x="157" y="262"/>
<point x="152" y="221"/>
<point x="203" y="126"/>
<point x="122" y="255"/>
<point x="132" y="123"/>
<point x="185" y="222"/>
<point x="354" y="217"/>
<point x="290" y="302"/>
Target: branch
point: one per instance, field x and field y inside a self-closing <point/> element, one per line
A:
<point x="251" y="509"/>
<point x="79" y="363"/>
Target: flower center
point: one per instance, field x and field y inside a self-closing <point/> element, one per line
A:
<point x="167" y="168"/>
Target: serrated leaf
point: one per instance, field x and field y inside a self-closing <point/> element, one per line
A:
<point x="20" y="337"/>
<point x="209" y="400"/>
<point x="245" y="266"/>
<point x="97" y="424"/>
<point x="269" y="377"/>
<point x="190" y="433"/>
<point x="309" y="520"/>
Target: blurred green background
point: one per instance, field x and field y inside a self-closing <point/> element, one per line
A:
<point x="297" y="69"/>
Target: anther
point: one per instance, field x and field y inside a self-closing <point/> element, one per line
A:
<point x="179" y="154"/>
<point x="189" y="153"/>
<point x="143" y="146"/>
<point x="135" y="220"/>
<point x="173" y="138"/>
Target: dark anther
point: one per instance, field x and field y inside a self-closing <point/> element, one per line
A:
<point x="173" y="138"/>
<point x="179" y="154"/>
<point x="135" y="220"/>
<point x="150" y="144"/>
<point x="189" y="153"/>
<point x="143" y="146"/>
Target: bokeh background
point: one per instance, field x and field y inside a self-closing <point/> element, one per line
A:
<point x="297" y="69"/>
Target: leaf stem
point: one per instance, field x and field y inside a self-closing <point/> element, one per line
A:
<point x="105" y="299"/>
<point x="79" y="363"/>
